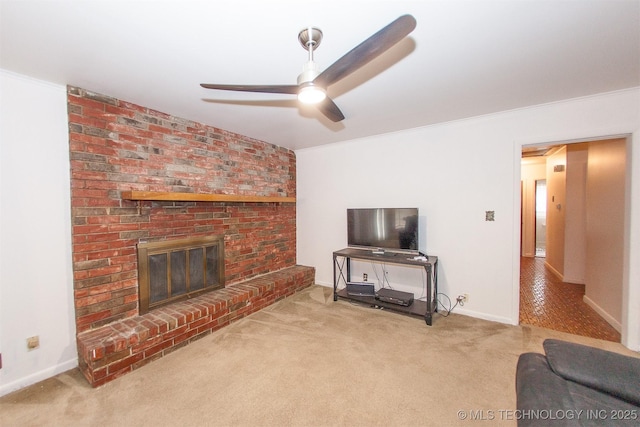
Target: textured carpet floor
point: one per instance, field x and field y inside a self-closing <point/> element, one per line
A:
<point x="307" y="361"/>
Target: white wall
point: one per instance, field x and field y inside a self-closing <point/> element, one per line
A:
<point x="454" y="172"/>
<point x="556" y="208"/>
<point x="605" y="228"/>
<point x="575" y="236"/>
<point x="36" y="287"/>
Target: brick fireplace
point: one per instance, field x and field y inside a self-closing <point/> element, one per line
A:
<point x="117" y="147"/>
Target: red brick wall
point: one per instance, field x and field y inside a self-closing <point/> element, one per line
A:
<point x="117" y="146"/>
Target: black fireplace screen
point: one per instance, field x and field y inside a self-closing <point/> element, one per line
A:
<point x="173" y="270"/>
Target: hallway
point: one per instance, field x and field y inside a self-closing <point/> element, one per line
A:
<point x="547" y="302"/>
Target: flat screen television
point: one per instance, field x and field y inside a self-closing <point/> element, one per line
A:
<point x="383" y="229"/>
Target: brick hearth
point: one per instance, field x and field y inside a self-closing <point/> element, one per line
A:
<point x="120" y="347"/>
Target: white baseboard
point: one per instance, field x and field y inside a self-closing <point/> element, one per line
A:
<point x="554" y="271"/>
<point x="38" y="376"/>
<point x="606" y="316"/>
<point x="483" y="316"/>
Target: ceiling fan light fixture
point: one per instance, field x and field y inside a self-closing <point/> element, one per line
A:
<point x="311" y="95"/>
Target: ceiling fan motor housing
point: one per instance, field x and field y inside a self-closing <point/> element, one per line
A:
<point x="309" y="72"/>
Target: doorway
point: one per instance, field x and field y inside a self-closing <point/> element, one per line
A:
<point x="560" y="280"/>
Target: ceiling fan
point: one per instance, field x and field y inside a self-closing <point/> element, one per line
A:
<point x="312" y="84"/>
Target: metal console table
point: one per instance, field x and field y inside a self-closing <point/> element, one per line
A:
<point x="342" y="275"/>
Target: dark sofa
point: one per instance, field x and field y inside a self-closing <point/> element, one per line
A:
<point x="577" y="385"/>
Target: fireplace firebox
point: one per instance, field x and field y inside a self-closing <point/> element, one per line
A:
<point x="174" y="270"/>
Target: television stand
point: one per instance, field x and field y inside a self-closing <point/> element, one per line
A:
<point x="342" y="275"/>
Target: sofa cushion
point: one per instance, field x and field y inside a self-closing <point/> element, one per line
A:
<point x="546" y="399"/>
<point x="599" y="369"/>
<point x="539" y="389"/>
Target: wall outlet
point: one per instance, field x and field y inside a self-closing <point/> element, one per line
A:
<point x="463" y="298"/>
<point x="364" y="277"/>
<point x="33" y="343"/>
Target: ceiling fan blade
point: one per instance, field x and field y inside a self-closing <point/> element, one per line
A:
<point x="367" y="50"/>
<point x="290" y="89"/>
<point x="331" y="110"/>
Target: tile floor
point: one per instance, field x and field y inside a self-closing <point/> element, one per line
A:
<point x="547" y="302"/>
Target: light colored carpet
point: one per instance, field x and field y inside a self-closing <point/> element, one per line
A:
<point x="307" y="361"/>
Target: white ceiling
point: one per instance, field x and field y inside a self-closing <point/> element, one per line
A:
<point x="465" y="58"/>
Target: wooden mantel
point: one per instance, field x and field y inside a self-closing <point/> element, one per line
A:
<point x="196" y="197"/>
